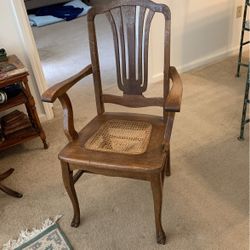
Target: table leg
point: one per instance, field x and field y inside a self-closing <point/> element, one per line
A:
<point x="31" y="109"/>
<point x="6" y="189"/>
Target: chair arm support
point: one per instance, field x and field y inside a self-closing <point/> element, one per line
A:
<point x="68" y="121"/>
<point x="173" y="102"/>
<point x="168" y="131"/>
<point x="51" y="94"/>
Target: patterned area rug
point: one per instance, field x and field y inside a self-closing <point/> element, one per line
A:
<point x="49" y="237"/>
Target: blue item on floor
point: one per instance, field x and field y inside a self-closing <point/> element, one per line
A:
<point x="65" y="12"/>
<point x="40" y="21"/>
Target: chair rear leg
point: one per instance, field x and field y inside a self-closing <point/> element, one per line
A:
<point x="68" y="181"/>
<point x="156" y="185"/>
<point x="168" y="167"/>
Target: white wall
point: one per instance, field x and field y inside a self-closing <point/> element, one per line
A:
<point x="12" y="40"/>
<point x="202" y="31"/>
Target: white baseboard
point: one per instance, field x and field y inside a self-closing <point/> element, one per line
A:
<point x="207" y="60"/>
<point x="199" y="63"/>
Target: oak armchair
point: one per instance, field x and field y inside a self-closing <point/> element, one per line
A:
<point x="122" y="144"/>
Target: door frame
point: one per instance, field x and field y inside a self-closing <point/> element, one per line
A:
<point x="31" y="51"/>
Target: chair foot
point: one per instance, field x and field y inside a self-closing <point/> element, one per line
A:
<point x="168" y="172"/>
<point x="161" y="238"/>
<point x="241" y="138"/>
<point x="45" y="145"/>
<point x="75" y="222"/>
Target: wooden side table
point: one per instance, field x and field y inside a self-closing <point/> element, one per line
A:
<point x="19" y="75"/>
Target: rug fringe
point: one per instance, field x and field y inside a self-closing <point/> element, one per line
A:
<point x="26" y="235"/>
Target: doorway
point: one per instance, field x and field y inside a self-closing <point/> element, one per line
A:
<point x="63" y="47"/>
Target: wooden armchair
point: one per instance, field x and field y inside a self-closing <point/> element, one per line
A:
<point x="122" y="144"/>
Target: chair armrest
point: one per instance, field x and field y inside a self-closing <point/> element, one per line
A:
<point x="173" y="102"/>
<point x="57" y="90"/>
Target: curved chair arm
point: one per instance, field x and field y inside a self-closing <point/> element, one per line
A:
<point x="173" y="102"/>
<point x="57" y="90"/>
<point x="68" y="122"/>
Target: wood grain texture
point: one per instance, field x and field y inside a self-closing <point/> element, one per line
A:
<point x="168" y="131"/>
<point x="9" y="75"/>
<point x="156" y="185"/>
<point x="68" y="181"/>
<point x="69" y="128"/>
<point x="152" y="161"/>
<point x="100" y="9"/>
<point x="130" y="23"/>
<point x="173" y="102"/>
<point x="20" y="75"/>
<point x="131" y="28"/>
<point x="133" y="101"/>
<point x="95" y="67"/>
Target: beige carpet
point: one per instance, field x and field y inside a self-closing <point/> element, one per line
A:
<point x="205" y="200"/>
<point x="64" y="49"/>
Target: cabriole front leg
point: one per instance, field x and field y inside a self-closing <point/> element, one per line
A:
<point x="156" y="185"/>
<point x="68" y="181"/>
<point x="168" y="166"/>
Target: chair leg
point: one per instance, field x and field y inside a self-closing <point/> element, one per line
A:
<point x="168" y="166"/>
<point x="156" y="185"/>
<point x="10" y="191"/>
<point x="6" y="189"/>
<point x="68" y="181"/>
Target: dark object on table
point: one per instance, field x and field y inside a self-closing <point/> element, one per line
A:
<point x="3" y="55"/>
<point x="65" y="12"/>
<point x="130" y="145"/>
<point x="3" y="97"/>
<point x="9" y="92"/>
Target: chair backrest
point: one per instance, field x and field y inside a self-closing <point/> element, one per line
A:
<point x="130" y="22"/>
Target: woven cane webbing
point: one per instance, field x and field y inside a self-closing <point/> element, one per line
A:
<point x="121" y="136"/>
